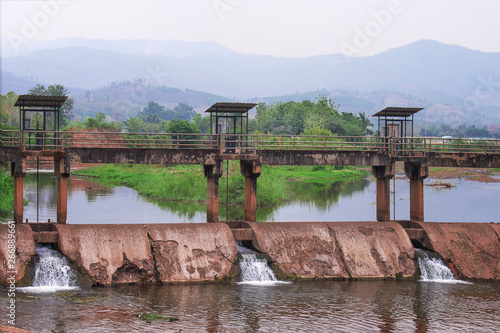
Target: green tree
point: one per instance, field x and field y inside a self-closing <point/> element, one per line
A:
<point x="65" y="113"/>
<point x="203" y="123"/>
<point x="9" y="115"/>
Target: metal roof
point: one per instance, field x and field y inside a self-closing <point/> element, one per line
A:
<point x="40" y="101"/>
<point x="231" y="107"/>
<point x="392" y="111"/>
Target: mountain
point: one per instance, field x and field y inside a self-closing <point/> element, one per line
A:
<point x="134" y="47"/>
<point x="453" y="83"/>
<point x="123" y="100"/>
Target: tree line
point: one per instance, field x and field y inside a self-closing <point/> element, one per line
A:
<point x="319" y="117"/>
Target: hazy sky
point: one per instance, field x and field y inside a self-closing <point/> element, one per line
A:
<point x="290" y="28"/>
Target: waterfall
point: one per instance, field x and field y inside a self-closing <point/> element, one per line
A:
<point x="432" y="268"/>
<point x="255" y="271"/>
<point x="52" y="272"/>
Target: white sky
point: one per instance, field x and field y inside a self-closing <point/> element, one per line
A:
<point x="290" y="28"/>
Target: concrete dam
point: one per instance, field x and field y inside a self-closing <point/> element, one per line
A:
<point x="207" y="252"/>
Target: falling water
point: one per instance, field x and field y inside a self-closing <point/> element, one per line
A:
<point x="254" y="270"/>
<point x="432" y="268"/>
<point x="52" y="272"/>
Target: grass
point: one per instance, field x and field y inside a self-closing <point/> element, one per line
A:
<point x="149" y="317"/>
<point x="67" y="296"/>
<point x="187" y="183"/>
<point x="7" y="193"/>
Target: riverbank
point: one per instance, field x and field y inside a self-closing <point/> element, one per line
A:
<point x="7" y="190"/>
<point x="187" y="182"/>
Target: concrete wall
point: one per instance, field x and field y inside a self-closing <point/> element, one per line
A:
<point x="337" y="249"/>
<point x="24" y="250"/>
<point x="138" y="253"/>
<point x="168" y="253"/>
<point x="472" y="248"/>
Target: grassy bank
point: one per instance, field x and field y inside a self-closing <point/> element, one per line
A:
<point x="7" y="193"/>
<point x="187" y="182"/>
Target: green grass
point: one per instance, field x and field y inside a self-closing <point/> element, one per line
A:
<point x="7" y="193"/>
<point x="149" y="317"/>
<point x="187" y="183"/>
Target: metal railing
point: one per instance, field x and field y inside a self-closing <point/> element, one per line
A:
<point x="243" y="144"/>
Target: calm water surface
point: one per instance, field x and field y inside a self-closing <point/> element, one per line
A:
<point x="314" y="306"/>
<point x="92" y="202"/>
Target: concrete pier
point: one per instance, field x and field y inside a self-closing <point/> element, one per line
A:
<point x="213" y="173"/>
<point x="251" y="170"/>
<point x="417" y="172"/>
<point x="383" y="174"/>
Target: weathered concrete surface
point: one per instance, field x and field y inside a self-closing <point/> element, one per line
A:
<point x="305" y="249"/>
<point x="109" y="253"/>
<point x="193" y="252"/>
<point x="323" y="157"/>
<point x="472" y="248"/>
<point x="24" y="249"/>
<point x="340" y="250"/>
<point x="140" y="155"/>
<point x="463" y="160"/>
<point x="374" y="249"/>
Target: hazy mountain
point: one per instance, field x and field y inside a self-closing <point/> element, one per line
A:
<point x="454" y="83"/>
<point x="134" y="47"/>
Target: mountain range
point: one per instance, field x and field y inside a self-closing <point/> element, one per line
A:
<point x="454" y="84"/>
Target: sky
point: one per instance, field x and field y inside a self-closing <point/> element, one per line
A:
<point x="288" y="28"/>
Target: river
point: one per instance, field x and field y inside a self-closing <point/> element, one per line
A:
<point x="93" y="202"/>
<point x="300" y="306"/>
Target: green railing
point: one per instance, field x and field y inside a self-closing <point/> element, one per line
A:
<point x="243" y="144"/>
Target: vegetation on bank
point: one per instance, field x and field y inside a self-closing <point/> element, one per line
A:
<point x="187" y="182"/>
<point x="7" y="192"/>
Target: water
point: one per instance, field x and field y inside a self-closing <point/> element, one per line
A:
<point x="301" y="306"/>
<point x="255" y="270"/>
<point x="433" y="268"/>
<point x="92" y="202"/>
<point x="52" y="272"/>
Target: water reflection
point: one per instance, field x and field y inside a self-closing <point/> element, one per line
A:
<point x="315" y="306"/>
<point x="94" y="202"/>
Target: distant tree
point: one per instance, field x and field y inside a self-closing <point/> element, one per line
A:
<point x="135" y="125"/>
<point x="184" y="111"/>
<point x="65" y="113"/>
<point x="203" y="123"/>
<point x="8" y="112"/>
<point x="367" y="124"/>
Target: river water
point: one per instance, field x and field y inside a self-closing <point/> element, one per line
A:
<point x="301" y="306"/>
<point x="92" y="202"/>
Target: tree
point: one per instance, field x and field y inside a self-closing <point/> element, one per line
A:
<point x="203" y="123"/>
<point x="65" y="113"/>
<point x="367" y="124"/>
<point x="8" y="112"/>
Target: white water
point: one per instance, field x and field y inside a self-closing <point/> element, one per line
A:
<point x="52" y="272"/>
<point x="432" y="269"/>
<point x="255" y="271"/>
